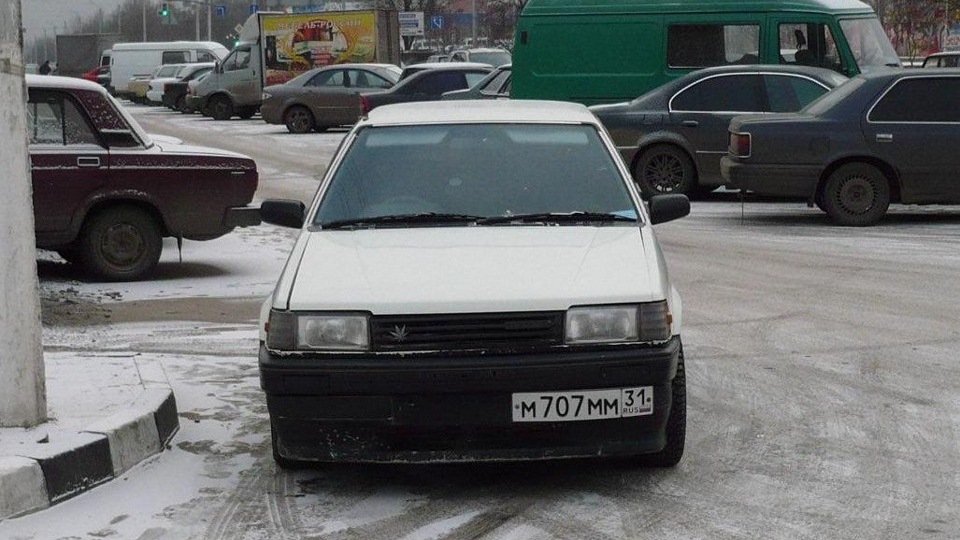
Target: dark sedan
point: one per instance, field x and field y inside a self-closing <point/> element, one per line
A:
<point x="175" y="93"/>
<point x="324" y="97"/>
<point x="496" y="85"/>
<point x="889" y="136"/>
<point x="427" y="85"/>
<point x="674" y="136"/>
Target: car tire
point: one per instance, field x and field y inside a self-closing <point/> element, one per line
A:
<point x="284" y="463"/>
<point x="671" y="453"/>
<point x="246" y="113"/>
<point x="221" y="108"/>
<point x="121" y="243"/>
<point x="856" y="195"/>
<point x="299" y="119"/>
<point x="181" y="105"/>
<point x="665" y="168"/>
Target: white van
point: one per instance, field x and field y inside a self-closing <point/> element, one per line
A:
<point x="129" y="60"/>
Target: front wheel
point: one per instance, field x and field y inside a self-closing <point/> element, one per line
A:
<point x="221" y="108"/>
<point x="298" y="120"/>
<point x="122" y="243"/>
<point x="665" y="169"/>
<point x="676" y="423"/>
<point x="856" y="195"/>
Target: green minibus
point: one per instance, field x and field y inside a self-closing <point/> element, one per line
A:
<point x="604" y="51"/>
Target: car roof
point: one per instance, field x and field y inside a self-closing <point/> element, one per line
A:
<point x="71" y="83"/>
<point x="944" y="53"/>
<point x="567" y="7"/>
<point x="437" y="65"/>
<point x="480" y="111"/>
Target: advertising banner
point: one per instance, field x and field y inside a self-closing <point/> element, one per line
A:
<point x="296" y="43"/>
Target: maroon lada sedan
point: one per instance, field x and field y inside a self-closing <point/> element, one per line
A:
<point x="105" y="194"/>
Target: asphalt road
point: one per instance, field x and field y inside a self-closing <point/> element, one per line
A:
<point x="821" y="368"/>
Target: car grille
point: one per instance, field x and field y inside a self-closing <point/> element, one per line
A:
<point x="497" y="331"/>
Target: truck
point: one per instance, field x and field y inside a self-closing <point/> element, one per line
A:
<point x="79" y="53"/>
<point x="276" y="47"/>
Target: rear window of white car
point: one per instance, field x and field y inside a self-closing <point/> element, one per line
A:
<point x="486" y="170"/>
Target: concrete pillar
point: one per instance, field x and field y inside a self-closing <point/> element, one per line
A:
<point x="23" y="400"/>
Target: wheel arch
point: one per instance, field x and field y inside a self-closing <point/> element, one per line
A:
<point x="100" y="205"/>
<point x="888" y="171"/>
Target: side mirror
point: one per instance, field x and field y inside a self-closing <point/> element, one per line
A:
<point x="283" y="212"/>
<point x="664" y="208"/>
<point x="118" y="138"/>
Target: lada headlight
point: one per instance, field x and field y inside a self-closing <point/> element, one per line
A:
<point x="618" y="324"/>
<point x="289" y="331"/>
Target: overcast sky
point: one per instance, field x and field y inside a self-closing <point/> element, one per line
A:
<point x="47" y="14"/>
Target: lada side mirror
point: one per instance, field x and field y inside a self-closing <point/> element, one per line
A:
<point x="283" y="212"/>
<point x="664" y="208"/>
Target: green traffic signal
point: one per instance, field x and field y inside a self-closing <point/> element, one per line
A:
<point x="164" y="9"/>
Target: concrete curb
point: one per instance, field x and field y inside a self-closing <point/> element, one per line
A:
<point x="46" y="473"/>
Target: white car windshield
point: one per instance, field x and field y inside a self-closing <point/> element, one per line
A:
<point x="490" y="172"/>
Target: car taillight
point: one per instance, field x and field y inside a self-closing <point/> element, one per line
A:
<point x="364" y="105"/>
<point x="740" y="144"/>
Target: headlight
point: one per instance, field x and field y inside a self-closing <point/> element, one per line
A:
<point x="618" y="324"/>
<point x="265" y="96"/>
<point x="334" y="332"/>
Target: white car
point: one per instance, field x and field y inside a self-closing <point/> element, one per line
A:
<point x="475" y="281"/>
<point x="164" y="76"/>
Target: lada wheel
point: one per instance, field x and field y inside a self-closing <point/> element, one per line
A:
<point x="121" y="244"/>
<point x="221" y="108"/>
<point x="298" y="120"/>
<point x="676" y="423"/>
<point x="665" y="169"/>
<point x="856" y="194"/>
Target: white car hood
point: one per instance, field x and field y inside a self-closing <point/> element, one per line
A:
<point x="472" y="269"/>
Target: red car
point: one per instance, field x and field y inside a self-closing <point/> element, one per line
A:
<point x="105" y="193"/>
<point x="99" y="75"/>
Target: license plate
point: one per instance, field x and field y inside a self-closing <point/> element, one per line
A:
<point x="582" y="404"/>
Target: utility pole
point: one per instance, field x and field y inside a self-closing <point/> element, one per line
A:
<point x="144" y="6"/>
<point x="23" y="395"/>
<point x="474" y="21"/>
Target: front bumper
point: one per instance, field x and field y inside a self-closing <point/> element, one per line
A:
<point x="426" y="408"/>
<point x="766" y="179"/>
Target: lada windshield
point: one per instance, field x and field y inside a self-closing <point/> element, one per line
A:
<point x="869" y="44"/>
<point x="477" y="174"/>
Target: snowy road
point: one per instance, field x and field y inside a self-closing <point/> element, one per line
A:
<point x="821" y="363"/>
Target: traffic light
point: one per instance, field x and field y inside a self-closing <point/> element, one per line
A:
<point x="164" y="9"/>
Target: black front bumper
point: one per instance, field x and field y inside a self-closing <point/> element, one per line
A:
<point x="421" y="408"/>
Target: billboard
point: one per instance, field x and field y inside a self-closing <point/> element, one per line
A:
<point x="296" y="43"/>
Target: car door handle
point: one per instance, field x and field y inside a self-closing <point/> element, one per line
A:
<point x="884" y="137"/>
<point x="690" y="123"/>
<point x="88" y="162"/>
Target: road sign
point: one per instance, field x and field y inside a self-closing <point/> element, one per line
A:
<point x="436" y="22"/>
<point x="254" y="8"/>
<point x="221" y="11"/>
<point x="411" y="23"/>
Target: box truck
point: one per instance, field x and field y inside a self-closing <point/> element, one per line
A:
<point x="276" y="47"/>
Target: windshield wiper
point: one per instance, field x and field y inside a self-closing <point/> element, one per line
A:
<point x="401" y="219"/>
<point x="556" y="217"/>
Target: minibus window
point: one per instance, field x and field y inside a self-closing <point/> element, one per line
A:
<point x="869" y="44"/>
<point x="704" y="45"/>
<point x="809" y="44"/>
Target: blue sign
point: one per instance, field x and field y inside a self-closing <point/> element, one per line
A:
<point x="254" y="8"/>
<point x="221" y="11"/>
<point x="436" y="22"/>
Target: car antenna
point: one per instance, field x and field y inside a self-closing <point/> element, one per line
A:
<point x="180" y="247"/>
